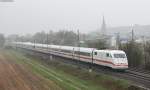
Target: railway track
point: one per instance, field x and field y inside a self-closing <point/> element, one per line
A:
<point x="138" y="78"/>
<point x="140" y="69"/>
<point x="135" y="75"/>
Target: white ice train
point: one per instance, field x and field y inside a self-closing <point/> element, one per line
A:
<point x="115" y="59"/>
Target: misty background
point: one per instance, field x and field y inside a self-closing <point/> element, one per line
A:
<point x="101" y="24"/>
<point x="31" y="16"/>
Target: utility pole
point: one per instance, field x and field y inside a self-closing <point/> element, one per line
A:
<point x="16" y="43"/>
<point x="79" y="44"/>
<point x="22" y="42"/>
<point x="47" y="41"/>
<point x="132" y="45"/>
<point x="49" y="54"/>
<point x="117" y="40"/>
<point x="34" y="43"/>
<point x="90" y="67"/>
<point x="144" y="49"/>
<point x="132" y="35"/>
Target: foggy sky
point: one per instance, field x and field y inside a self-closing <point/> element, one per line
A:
<point x="30" y="16"/>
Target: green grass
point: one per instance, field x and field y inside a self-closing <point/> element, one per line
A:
<point x="67" y="77"/>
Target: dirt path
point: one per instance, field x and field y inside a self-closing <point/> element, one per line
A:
<point x="15" y="76"/>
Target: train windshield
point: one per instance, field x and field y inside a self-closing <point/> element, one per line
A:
<point x="119" y="56"/>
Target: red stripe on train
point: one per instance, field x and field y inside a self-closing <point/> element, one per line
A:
<point x="102" y="61"/>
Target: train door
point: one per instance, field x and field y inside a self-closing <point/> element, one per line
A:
<point x="95" y="55"/>
<point x="109" y="59"/>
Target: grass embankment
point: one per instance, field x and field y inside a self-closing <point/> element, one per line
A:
<point x="68" y="77"/>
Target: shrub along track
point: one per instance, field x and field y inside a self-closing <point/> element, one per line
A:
<point x="14" y="76"/>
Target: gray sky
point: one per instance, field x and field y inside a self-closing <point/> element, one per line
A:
<point x="30" y="16"/>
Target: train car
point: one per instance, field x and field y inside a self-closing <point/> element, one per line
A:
<point x="85" y="54"/>
<point x="115" y="59"/>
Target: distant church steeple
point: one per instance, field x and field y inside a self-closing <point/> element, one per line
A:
<point x="103" y="27"/>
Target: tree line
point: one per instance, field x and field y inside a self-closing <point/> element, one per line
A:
<point x="61" y="37"/>
<point x="138" y="54"/>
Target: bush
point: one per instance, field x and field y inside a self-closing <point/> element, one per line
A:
<point x="134" y="53"/>
<point x="2" y="40"/>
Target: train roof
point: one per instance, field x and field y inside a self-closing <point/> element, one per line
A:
<point x="111" y="51"/>
<point x="81" y="49"/>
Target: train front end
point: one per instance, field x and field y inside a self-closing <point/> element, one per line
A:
<point x="120" y="60"/>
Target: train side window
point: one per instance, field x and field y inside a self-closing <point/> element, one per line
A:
<point x="110" y="55"/>
<point x="95" y="53"/>
<point x="107" y="54"/>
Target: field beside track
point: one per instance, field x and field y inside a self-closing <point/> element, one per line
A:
<point x="15" y="76"/>
<point x="22" y="72"/>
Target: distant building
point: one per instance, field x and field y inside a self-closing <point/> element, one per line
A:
<point x="103" y="27"/>
<point x="110" y="39"/>
<point x="102" y="35"/>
